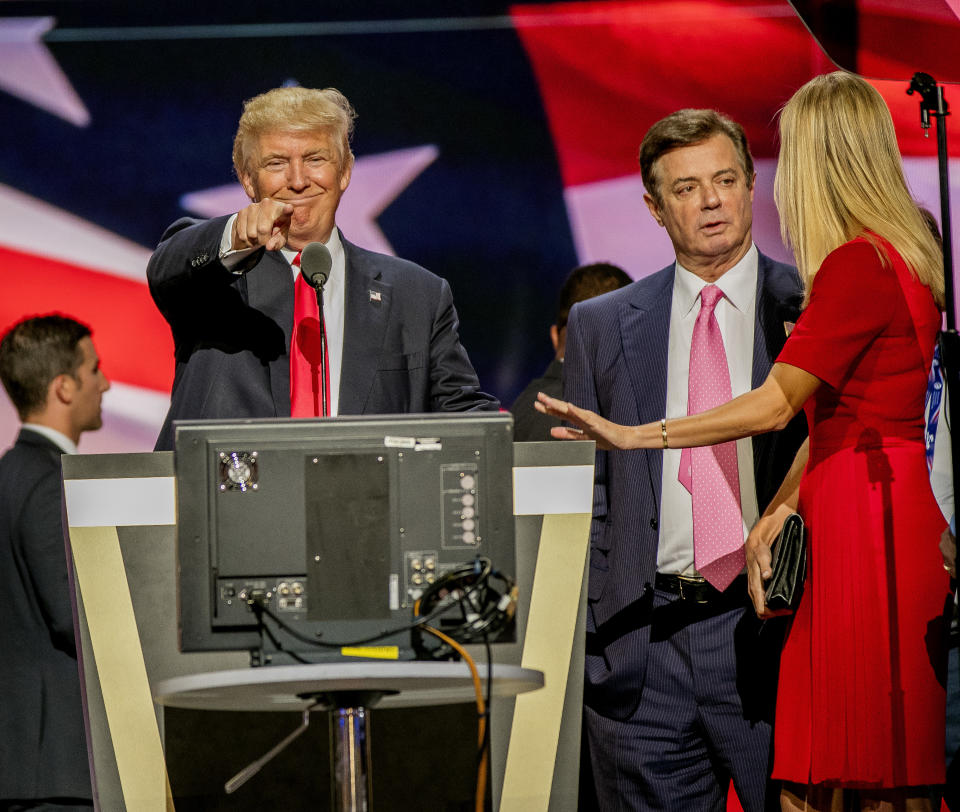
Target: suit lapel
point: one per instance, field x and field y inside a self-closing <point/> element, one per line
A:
<point x="645" y="333"/>
<point x="766" y="346"/>
<point x="367" y="303"/>
<point x="270" y="290"/>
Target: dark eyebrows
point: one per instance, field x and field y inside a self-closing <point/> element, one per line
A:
<point x="692" y="179"/>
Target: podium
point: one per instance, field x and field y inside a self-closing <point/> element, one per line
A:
<point x="120" y="514"/>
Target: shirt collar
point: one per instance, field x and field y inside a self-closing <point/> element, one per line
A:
<point x="65" y="443"/>
<point x="334" y="246"/>
<point x="738" y="284"/>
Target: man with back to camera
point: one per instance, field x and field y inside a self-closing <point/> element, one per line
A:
<point x="581" y="283"/>
<point x="231" y="291"/>
<point x="680" y="674"/>
<point x="51" y="372"/>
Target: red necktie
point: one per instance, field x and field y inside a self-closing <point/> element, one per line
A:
<point x="309" y="365"/>
<point x="711" y="473"/>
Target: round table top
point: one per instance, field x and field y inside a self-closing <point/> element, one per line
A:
<point x="409" y="683"/>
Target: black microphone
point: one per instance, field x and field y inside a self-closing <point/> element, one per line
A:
<point x="315" y="263"/>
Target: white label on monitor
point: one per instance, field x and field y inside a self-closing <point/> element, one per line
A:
<point x="394" y="591"/>
<point x="399" y="442"/>
<point x="428" y="445"/>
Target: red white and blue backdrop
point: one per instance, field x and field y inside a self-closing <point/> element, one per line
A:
<point x="496" y="145"/>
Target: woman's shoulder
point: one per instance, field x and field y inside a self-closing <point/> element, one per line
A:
<point x="859" y="261"/>
<point x="860" y="249"/>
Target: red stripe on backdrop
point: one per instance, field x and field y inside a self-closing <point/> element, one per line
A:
<point x="131" y="336"/>
<point x="608" y="70"/>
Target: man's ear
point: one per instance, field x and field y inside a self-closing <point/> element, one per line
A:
<point x="246" y="180"/>
<point x="62" y="390"/>
<point x="654" y="207"/>
<point x="346" y="174"/>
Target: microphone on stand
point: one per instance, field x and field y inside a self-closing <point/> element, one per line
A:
<point x="315" y="264"/>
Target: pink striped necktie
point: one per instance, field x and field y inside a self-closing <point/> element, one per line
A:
<point x="710" y="473"/>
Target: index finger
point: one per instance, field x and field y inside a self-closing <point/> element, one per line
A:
<point x="551" y="404"/>
<point x="756" y="591"/>
<point x="274" y="223"/>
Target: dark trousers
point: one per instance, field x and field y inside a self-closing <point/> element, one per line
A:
<point x="704" y="716"/>
<point x="47" y="805"/>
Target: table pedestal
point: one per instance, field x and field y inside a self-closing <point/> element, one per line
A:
<point x="352" y="787"/>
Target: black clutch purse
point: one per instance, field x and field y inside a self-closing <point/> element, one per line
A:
<point x="789" y="566"/>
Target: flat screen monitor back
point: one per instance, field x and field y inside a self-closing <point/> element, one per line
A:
<point x="336" y="525"/>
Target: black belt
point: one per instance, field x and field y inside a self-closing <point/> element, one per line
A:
<point x="696" y="589"/>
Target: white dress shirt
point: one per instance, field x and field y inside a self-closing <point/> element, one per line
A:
<point x="736" y="315"/>
<point x="333" y="298"/>
<point x="67" y="446"/>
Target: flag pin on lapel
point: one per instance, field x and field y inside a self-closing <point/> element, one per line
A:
<point x="375" y="296"/>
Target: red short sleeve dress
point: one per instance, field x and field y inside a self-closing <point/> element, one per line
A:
<point x="859" y="700"/>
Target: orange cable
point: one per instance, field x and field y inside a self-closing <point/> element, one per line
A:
<point x="481" y="712"/>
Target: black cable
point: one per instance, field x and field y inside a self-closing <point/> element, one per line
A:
<point x="482" y="607"/>
<point x="296" y="634"/>
<point x="258" y="610"/>
<point x="487" y="616"/>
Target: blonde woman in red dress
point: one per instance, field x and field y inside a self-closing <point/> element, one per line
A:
<point x="859" y="705"/>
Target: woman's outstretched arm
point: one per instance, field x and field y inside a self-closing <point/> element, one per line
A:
<point x="767" y="408"/>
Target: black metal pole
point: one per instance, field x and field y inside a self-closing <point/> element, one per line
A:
<point x="946" y="231"/>
<point x="932" y="102"/>
<point x="324" y="372"/>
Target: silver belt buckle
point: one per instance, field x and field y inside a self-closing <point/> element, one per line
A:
<point x="692" y="580"/>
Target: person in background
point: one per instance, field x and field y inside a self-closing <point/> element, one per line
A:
<point x="51" y="371"/>
<point x="582" y="283"/>
<point x="860" y="706"/>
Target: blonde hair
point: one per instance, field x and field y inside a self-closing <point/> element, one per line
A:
<point x="840" y="176"/>
<point x="294" y="109"/>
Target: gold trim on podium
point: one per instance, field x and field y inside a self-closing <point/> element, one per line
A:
<point x="102" y="582"/>
<point x="549" y="640"/>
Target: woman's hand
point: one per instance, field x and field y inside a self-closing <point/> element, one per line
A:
<point x="759" y="558"/>
<point x="948" y="549"/>
<point x="589" y="425"/>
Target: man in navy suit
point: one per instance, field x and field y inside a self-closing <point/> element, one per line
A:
<point x="680" y="676"/>
<point x="50" y="369"/>
<point x="226" y="286"/>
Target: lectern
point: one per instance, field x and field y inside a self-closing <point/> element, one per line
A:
<point x="120" y="516"/>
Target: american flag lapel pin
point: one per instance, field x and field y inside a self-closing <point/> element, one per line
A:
<point x="375" y="296"/>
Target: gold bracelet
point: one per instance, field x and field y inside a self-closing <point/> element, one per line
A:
<point x="663" y="431"/>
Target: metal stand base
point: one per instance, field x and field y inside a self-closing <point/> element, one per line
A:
<point x="352" y="786"/>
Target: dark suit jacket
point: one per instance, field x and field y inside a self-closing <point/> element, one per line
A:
<point x="616" y="365"/>
<point x="43" y="751"/>
<point x="401" y="349"/>
<point x="529" y="425"/>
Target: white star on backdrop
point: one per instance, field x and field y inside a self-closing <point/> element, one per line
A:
<point x="29" y="71"/>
